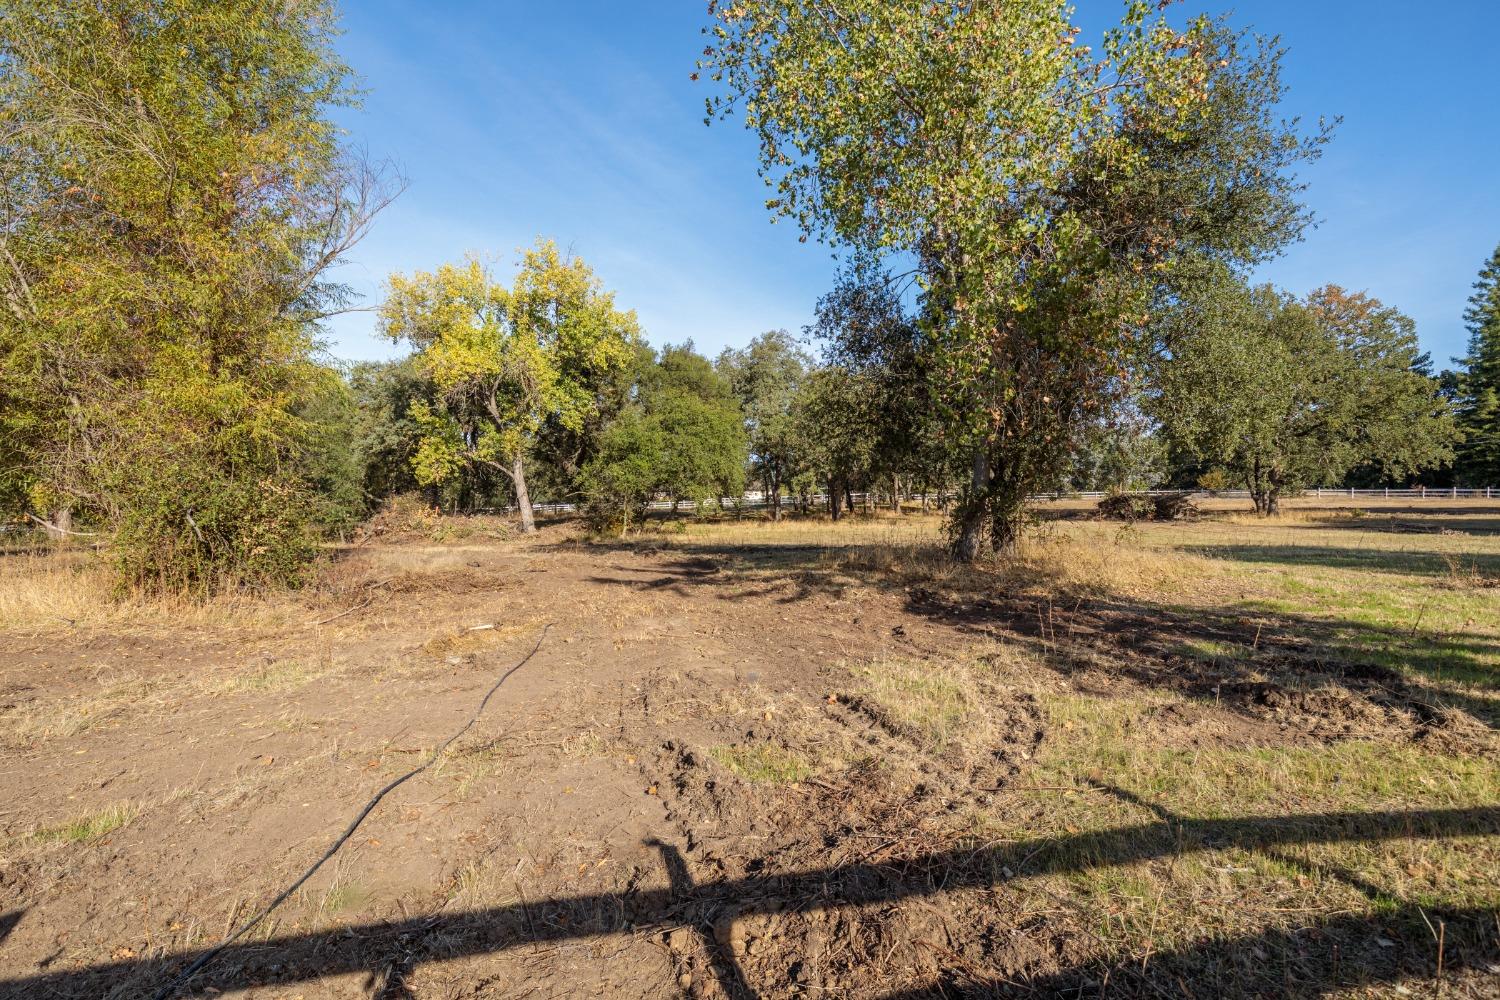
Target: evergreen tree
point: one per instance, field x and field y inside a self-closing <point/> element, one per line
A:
<point x="683" y="436"/>
<point x="1478" y="383"/>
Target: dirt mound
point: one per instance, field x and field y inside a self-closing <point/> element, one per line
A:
<point x="409" y="518"/>
<point x="1328" y="708"/>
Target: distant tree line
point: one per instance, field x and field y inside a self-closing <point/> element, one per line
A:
<point x="1045" y="286"/>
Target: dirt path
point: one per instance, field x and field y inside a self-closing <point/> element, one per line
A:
<point x="235" y="760"/>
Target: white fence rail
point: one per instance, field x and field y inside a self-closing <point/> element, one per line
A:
<point x="1418" y="493"/>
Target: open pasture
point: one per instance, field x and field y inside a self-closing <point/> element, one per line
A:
<point x="1226" y="758"/>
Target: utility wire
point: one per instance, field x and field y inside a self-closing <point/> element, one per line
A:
<point x="192" y="970"/>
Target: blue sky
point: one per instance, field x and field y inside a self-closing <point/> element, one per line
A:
<point x="578" y="121"/>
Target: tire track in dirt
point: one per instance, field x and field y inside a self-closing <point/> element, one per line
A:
<point x="890" y="802"/>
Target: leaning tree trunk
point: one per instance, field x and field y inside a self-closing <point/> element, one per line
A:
<point x="523" y="498"/>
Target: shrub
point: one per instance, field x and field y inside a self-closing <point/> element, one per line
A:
<point x="1215" y="481"/>
<point x="1126" y="507"/>
<point x="1136" y="507"/>
<point x="620" y="480"/>
<point x="196" y="533"/>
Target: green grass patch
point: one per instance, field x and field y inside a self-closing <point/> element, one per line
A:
<point x="91" y="826"/>
<point x="763" y="762"/>
<point x="1099" y="740"/>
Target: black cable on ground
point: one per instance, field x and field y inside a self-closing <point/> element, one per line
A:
<point x="192" y="970"/>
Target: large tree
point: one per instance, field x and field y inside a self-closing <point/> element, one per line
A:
<point x="173" y="193"/>
<point x="1284" y="394"/>
<point x="683" y="436"/>
<point x="865" y="417"/>
<point x="1040" y="189"/>
<point x="766" y="375"/>
<point x="1478" y="382"/>
<point x="704" y="441"/>
<point x="506" y="361"/>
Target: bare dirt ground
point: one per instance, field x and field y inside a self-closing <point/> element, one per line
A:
<point x="765" y="762"/>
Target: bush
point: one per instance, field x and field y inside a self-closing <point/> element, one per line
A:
<point x="181" y="532"/>
<point x="620" y="480"/>
<point x="1214" y="481"/>
<point x="1126" y="507"/>
<point x="406" y="515"/>
<point x="1136" y="507"/>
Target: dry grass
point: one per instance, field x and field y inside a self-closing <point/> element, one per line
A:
<point x="1412" y="592"/>
<point x="1114" y="806"/>
<point x="948" y="709"/>
<point x="49" y="591"/>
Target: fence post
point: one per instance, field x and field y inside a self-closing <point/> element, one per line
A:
<point x="1387" y="492"/>
<point x="1424" y="491"/>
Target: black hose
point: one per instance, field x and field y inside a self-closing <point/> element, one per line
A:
<point x="192" y="970"/>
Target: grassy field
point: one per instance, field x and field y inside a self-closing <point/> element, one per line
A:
<point x="1225" y="758"/>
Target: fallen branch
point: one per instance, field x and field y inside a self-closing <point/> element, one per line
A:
<point x="61" y="531"/>
<point x="362" y="604"/>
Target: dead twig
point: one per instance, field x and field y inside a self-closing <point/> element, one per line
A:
<point x="363" y="604"/>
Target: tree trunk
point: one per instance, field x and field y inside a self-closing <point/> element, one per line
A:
<point x="523" y="498"/>
<point x="849" y="498"/>
<point x="972" y="519"/>
<point x="61" y="524"/>
<point x="1006" y="529"/>
<point x="895" y="493"/>
<point x="835" y="500"/>
<point x="774" y="493"/>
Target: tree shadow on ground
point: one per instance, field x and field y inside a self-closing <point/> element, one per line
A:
<point x="1385" y="946"/>
<point x="1411" y="562"/>
<point x="1258" y="658"/>
<point x="1458" y="522"/>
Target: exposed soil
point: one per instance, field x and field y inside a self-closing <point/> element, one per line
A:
<point x="593" y="835"/>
